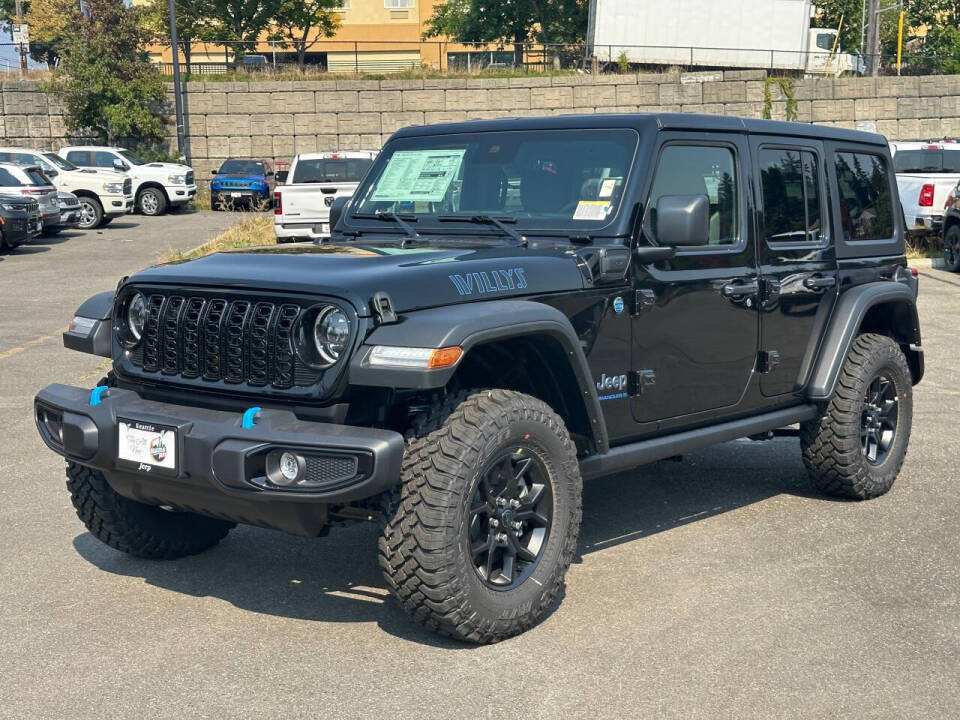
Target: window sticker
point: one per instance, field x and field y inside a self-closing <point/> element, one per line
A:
<point x="592" y="210"/>
<point x="607" y="187"/>
<point x="418" y="175"/>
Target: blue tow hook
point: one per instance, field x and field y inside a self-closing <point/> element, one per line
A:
<point x="96" y="393"/>
<point x="249" y="418"/>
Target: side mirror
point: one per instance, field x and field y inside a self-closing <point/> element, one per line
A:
<point x="51" y="173"/>
<point x="336" y="210"/>
<point x="120" y="166"/>
<point x="683" y="220"/>
<point x="281" y="176"/>
<point x="213" y="172"/>
<point x="270" y="173"/>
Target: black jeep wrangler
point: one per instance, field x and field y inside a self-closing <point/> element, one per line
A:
<point x="506" y="308"/>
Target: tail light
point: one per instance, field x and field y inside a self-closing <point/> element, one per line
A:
<point x="926" y="195"/>
<point x="277" y="203"/>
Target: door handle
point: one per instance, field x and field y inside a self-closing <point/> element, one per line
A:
<point x="739" y="288"/>
<point x="819" y="282"/>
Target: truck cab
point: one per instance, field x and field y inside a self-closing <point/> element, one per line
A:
<point x="824" y="57"/>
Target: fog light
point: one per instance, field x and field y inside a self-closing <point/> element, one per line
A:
<point x="289" y="467"/>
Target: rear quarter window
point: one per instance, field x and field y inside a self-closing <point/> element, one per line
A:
<point x="7" y="179"/>
<point x="866" y="203"/>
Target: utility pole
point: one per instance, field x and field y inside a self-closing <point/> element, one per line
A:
<point x="20" y="49"/>
<point x="873" y="37"/>
<point x="177" y="100"/>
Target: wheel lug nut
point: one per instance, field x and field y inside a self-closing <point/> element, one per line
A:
<point x="514" y="503"/>
<point x="494" y="522"/>
<point x="501" y="502"/>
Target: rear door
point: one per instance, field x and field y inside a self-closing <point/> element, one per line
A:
<point x="797" y="258"/>
<point x="695" y="328"/>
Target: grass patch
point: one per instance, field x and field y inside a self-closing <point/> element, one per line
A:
<point x="925" y="247"/>
<point x="252" y="232"/>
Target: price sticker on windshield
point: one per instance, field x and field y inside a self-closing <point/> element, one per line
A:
<point x="418" y="175"/>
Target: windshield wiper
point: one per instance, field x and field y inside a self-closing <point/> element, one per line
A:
<point x="398" y="219"/>
<point x="489" y="220"/>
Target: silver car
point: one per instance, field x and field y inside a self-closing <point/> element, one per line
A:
<point x="30" y="180"/>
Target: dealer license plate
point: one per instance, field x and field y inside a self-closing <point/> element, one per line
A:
<point x="146" y="445"/>
<point x="236" y="194"/>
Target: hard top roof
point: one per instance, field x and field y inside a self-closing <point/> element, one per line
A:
<point x="650" y="122"/>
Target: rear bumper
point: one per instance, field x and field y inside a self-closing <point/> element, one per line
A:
<point x="222" y="469"/>
<point x="924" y="224"/>
<point x="301" y="230"/>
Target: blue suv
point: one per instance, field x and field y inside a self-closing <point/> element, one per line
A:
<point x="242" y="182"/>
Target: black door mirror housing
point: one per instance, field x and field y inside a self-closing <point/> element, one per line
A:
<point x="336" y="210"/>
<point x="683" y="220"/>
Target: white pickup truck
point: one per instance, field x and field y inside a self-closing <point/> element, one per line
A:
<point x="156" y="185"/>
<point x="301" y="205"/>
<point x="927" y="173"/>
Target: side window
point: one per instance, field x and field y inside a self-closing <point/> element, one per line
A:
<point x="80" y="157"/>
<point x="701" y="170"/>
<point x="7" y="179"/>
<point x="104" y="159"/>
<point x="866" y="209"/>
<point x="790" y="185"/>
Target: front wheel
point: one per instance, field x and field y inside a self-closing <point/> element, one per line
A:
<point x="144" y="531"/>
<point x="152" y="201"/>
<point x="481" y="531"/>
<point x="91" y="213"/>
<point x="856" y="448"/>
<point x="951" y="249"/>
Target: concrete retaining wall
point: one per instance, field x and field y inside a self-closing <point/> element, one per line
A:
<point x="279" y="118"/>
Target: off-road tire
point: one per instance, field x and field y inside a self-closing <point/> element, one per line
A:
<point x="156" y="205"/>
<point x="144" y="531"/>
<point x="951" y="249"/>
<point x="423" y="548"/>
<point x="831" y="444"/>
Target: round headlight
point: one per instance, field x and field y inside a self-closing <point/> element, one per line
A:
<point x="136" y="315"/>
<point x="331" y="332"/>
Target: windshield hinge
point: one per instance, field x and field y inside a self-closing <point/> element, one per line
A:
<point x="383" y="308"/>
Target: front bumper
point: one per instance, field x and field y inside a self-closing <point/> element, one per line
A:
<point x="117" y="205"/>
<point x="180" y="194"/>
<point x="222" y="467"/>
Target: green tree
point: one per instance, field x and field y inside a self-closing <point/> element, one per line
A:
<point x="239" y="23"/>
<point x="938" y="23"/>
<point x="301" y="24"/>
<point x="194" y="23"/>
<point x="105" y="79"/>
<point x="516" y="21"/>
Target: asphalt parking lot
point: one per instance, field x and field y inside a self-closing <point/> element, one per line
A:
<point x="717" y="587"/>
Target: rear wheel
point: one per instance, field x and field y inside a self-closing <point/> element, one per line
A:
<point x="856" y="448"/>
<point x="480" y="534"/>
<point x="951" y="249"/>
<point x="91" y="213"/>
<point x="145" y="531"/>
<point x="152" y="201"/>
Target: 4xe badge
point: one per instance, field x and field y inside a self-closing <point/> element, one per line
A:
<point x="612" y="387"/>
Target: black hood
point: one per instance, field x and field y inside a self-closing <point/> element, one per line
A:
<point x="413" y="278"/>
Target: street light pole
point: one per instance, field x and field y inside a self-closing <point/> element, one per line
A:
<point x="20" y="50"/>
<point x="177" y="100"/>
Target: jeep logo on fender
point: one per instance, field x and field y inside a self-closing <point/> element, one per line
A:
<point x="490" y="281"/>
<point x="612" y="387"/>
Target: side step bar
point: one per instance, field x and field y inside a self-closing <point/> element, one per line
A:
<point x="629" y="456"/>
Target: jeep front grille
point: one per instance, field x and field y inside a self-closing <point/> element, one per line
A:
<point x="215" y="339"/>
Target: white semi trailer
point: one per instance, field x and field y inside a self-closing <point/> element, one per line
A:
<point x="773" y="34"/>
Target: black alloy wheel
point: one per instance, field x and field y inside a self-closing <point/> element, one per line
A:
<point x="511" y="514"/>
<point x="878" y="421"/>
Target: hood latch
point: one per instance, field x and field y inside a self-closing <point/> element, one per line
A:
<point x="382" y="307"/>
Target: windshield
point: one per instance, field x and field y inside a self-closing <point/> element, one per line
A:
<point x="59" y="161"/>
<point x="241" y="167"/>
<point x="927" y="161"/>
<point x="130" y="157"/>
<point x="567" y="180"/>
<point x="331" y="170"/>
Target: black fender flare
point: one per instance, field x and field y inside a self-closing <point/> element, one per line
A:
<point x="848" y="316"/>
<point x="468" y="325"/>
<point x="99" y="340"/>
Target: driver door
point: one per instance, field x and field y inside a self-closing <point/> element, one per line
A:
<point x="695" y="324"/>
